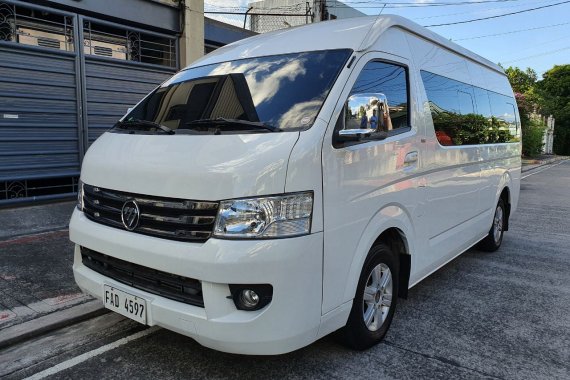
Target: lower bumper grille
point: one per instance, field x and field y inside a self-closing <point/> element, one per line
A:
<point x="167" y="285"/>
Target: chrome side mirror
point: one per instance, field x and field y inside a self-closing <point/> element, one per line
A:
<point x="354" y="134"/>
<point x="364" y="116"/>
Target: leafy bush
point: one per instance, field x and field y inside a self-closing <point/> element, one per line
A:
<point x="532" y="136"/>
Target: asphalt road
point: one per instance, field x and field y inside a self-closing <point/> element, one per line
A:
<point x="484" y="315"/>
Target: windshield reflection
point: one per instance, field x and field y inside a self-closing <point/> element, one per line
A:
<point x="284" y="91"/>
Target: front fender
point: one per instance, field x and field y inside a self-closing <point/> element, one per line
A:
<point x="391" y="216"/>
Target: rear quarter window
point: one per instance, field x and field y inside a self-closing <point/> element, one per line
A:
<point x="463" y="114"/>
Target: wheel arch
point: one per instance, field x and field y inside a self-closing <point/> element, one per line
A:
<point x="504" y="193"/>
<point x="391" y="225"/>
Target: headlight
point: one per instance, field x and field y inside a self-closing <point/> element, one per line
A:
<point x="80" y="196"/>
<point x="267" y="217"/>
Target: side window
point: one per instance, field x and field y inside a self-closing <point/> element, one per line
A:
<point x="466" y="115"/>
<point x="378" y="100"/>
<point x="465" y="101"/>
<point x="504" y="120"/>
<point x="482" y="101"/>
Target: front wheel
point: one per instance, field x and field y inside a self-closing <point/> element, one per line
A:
<point x="493" y="240"/>
<point x="375" y="300"/>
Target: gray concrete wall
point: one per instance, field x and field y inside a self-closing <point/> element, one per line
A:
<point x="146" y="12"/>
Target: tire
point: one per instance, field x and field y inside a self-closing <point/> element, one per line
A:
<point x="366" y="328"/>
<point x="493" y="240"/>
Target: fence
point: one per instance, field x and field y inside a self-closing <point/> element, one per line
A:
<point x="264" y="20"/>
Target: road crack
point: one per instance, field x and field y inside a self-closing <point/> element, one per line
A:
<point x="443" y="360"/>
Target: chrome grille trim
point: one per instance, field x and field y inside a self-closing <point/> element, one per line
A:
<point x="168" y="218"/>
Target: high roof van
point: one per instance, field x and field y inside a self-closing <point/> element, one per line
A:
<point x="298" y="183"/>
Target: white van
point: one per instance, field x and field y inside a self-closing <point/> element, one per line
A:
<point x="297" y="183"/>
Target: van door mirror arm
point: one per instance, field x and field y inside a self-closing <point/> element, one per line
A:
<point x="359" y="135"/>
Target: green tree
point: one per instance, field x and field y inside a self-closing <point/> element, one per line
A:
<point x="522" y="81"/>
<point x="554" y="99"/>
<point x="524" y="85"/>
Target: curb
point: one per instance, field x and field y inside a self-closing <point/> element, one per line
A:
<point x="528" y="168"/>
<point x="53" y="321"/>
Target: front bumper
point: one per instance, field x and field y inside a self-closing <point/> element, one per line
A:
<point x="293" y="266"/>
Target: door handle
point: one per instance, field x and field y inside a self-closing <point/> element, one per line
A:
<point x="411" y="157"/>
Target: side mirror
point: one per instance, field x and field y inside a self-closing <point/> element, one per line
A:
<point x="363" y="116"/>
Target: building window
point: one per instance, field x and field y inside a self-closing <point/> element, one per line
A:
<point x="31" y="27"/>
<point x="124" y="44"/>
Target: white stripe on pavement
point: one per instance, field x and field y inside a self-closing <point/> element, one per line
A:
<point x="540" y="171"/>
<point x="91" y="354"/>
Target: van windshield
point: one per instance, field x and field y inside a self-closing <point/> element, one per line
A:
<point x="262" y="94"/>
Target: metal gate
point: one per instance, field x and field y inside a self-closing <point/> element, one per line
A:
<point x="61" y="87"/>
<point x="119" y="77"/>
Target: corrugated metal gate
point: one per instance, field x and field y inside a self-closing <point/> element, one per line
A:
<point x="111" y="88"/>
<point x="61" y="87"/>
<point x="39" y="131"/>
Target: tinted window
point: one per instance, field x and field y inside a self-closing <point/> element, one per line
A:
<point x="285" y="91"/>
<point x="387" y="82"/>
<point x="465" y="98"/>
<point x="483" y="103"/>
<point x="504" y="117"/>
<point x="464" y="115"/>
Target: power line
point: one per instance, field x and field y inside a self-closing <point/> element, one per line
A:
<point x="497" y="16"/>
<point x="511" y="32"/>
<point x="381" y="4"/>
<point x="414" y="4"/>
<point x="238" y="8"/>
<point x="485" y="10"/>
<point x="537" y="55"/>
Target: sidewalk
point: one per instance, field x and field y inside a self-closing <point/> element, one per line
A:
<point x="534" y="163"/>
<point x="36" y="278"/>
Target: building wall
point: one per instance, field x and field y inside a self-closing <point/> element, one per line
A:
<point x="269" y="15"/>
<point x="337" y="9"/>
<point x="156" y="14"/>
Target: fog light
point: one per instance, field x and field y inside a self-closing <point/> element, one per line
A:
<point x="249" y="298"/>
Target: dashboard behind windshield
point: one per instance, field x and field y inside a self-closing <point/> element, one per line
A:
<point x="285" y="92"/>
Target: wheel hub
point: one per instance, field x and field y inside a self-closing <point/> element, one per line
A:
<point x="377" y="297"/>
<point x="498" y="224"/>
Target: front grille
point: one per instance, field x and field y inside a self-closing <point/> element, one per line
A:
<point x="168" y="218"/>
<point x="174" y="287"/>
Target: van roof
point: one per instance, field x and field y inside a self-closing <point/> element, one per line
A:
<point x="358" y="34"/>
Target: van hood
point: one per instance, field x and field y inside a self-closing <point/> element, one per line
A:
<point x="198" y="167"/>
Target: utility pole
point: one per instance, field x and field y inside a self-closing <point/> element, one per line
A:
<point x="192" y="39"/>
<point x="320" y="10"/>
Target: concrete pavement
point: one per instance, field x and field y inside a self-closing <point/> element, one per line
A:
<point x="30" y="220"/>
<point x="35" y="271"/>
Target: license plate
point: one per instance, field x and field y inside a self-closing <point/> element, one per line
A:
<point x="124" y="303"/>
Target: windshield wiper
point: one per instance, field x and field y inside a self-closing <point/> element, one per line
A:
<point x="222" y="121"/>
<point x="137" y="123"/>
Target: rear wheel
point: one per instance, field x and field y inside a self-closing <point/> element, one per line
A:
<point x="493" y="240"/>
<point x="375" y="300"/>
